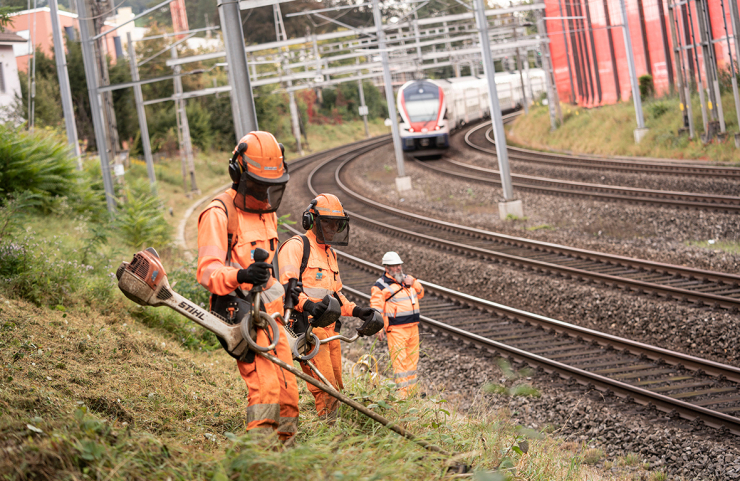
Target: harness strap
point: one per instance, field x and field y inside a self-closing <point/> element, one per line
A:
<point x="233" y="221"/>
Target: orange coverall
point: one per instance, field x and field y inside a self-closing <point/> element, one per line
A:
<point x="320" y="278"/>
<point x="399" y="305"/>
<point x="273" y="393"/>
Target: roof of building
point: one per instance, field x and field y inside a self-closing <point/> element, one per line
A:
<point x="10" y="37"/>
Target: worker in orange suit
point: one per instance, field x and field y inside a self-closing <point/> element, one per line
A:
<point x="230" y="229"/>
<point x="397" y="295"/>
<point x="310" y="259"/>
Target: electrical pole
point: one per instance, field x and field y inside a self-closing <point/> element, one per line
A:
<point x="141" y="113"/>
<point x="683" y="89"/>
<point x="735" y="16"/>
<point x="509" y="206"/>
<point x="363" y="107"/>
<point x="640" y="131"/>
<point x="281" y="34"/>
<point x="245" y="116"/>
<point x="183" y="133"/>
<point x="64" y="89"/>
<point x="710" y="65"/>
<point x="91" y="75"/>
<point x="521" y="73"/>
<point x="403" y="182"/>
<point x="552" y="95"/>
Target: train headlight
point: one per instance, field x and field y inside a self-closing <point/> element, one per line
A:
<point x="411" y="129"/>
<point x="436" y="128"/>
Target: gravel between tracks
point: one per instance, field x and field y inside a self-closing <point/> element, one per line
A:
<point x="654" y="233"/>
<point x="460" y="372"/>
<point x="697" y="184"/>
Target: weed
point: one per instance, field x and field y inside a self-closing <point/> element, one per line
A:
<point x="732" y="247"/>
<point x="140" y="223"/>
<point x="515" y="217"/>
<point x="630" y="459"/>
<point x="593" y="456"/>
<point x="658" y="476"/>
<point x="519" y="390"/>
<point x="540" y="227"/>
<point x="657" y="109"/>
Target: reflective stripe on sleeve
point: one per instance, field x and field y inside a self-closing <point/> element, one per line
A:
<point x="289" y="269"/>
<point x="205" y="275"/>
<point x="212" y="251"/>
<point x="407" y="383"/>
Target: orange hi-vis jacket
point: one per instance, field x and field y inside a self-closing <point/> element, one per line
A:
<point x="217" y="274"/>
<point x="398" y="304"/>
<point x="321" y="276"/>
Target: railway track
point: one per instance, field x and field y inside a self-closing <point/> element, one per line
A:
<point x="681" y="200"/>
<point x="632" y="166"/>
<point x="701" y="391"/>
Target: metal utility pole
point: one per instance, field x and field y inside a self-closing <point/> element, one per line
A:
<point x="64" y="89"/>
<point x="141" y="113"/>
<point x="521" y="73"/>
<point x="280" y="35"/>
<point x="403" y="182"/>
<point x="509" y="206"/>
<point x="552" y="95"/>
<point x="245" y="116"/>
<point x="320" y="92"/>
<point x="735" y="16"/>
<point x="91" y="75"/>
<point x="640" y="131"/>
<point x="699" y="85"/>
<point x="363" y="107"/>
<point x="419" y="59"/>
<point x="710" y="64"/>
<point x="683" y="90"/>
<point x="183" y="133"/>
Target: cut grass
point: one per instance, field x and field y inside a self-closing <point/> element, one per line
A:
<point x="113" y="399"/>
<point x="608" y="130"/>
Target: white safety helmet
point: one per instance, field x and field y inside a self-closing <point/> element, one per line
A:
<point x="391" y="259"/>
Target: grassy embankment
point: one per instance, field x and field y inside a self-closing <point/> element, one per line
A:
<point x="608" y="130"/>
<point x="96" y="387"/>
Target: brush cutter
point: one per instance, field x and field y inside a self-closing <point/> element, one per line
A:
<point x="144" y="281"/>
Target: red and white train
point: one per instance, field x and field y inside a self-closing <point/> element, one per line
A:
<point x="431" y="109"/>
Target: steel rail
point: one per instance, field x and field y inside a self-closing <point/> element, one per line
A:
<point x="614" y="349"/>
<point x="722" y="373"/>
<point x="668" y="272"/>
<point x="581" y="189"/>
<point x="580" y="161"/>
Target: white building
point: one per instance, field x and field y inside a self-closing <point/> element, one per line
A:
<point x="10" y="85"/>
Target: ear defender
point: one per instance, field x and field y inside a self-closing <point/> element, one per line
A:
<point x="282" y="152"/>
<point x="235" y="167"/>
<point x="307" y="218"/>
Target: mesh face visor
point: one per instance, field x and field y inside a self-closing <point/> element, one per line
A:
<point x="332" y="230"/>
<point x="258" y="197"/>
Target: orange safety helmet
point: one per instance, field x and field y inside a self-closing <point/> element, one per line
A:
<point x="327" y="215"/>
<point x="258" y="168"/>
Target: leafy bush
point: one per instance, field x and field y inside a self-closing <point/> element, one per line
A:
<point x="140" y="222"/>
<point x="647" y="87"/>
<point x="657" y="109"/>
<point x="36" y="163"/>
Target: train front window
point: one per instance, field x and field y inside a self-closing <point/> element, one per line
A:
<point x="422" y="102"/>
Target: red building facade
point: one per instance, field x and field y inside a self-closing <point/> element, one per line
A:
<point x="588" y="49"/>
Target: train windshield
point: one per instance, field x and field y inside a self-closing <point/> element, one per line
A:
<point x="422" y="102"/>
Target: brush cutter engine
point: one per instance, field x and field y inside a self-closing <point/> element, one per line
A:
<point x="144" y="281"/>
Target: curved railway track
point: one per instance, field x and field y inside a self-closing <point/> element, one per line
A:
<point x="633" y="166"/>
<point x="701" y="391"/>
<point x="686" y="200"/>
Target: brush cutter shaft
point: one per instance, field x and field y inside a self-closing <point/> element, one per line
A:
<point x="354" y="405"/>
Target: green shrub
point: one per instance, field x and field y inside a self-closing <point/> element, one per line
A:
<point x="140" y="222"/>
<point x="647" y="87"/>
<point x="657" y="109"/>
<point x="36" y="163"/>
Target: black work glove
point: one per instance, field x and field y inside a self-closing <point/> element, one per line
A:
<point x="293" y="293"/>
<point x="373" y="321"/>
<point x="364" y="313"/>
<point x="316" y="309"/>
<point x="257" y="273"/>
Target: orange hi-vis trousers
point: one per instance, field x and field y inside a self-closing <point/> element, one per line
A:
<point x="329" y="362"/>
<point x="403" y="346"/>
<point x="273" y="392"/>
